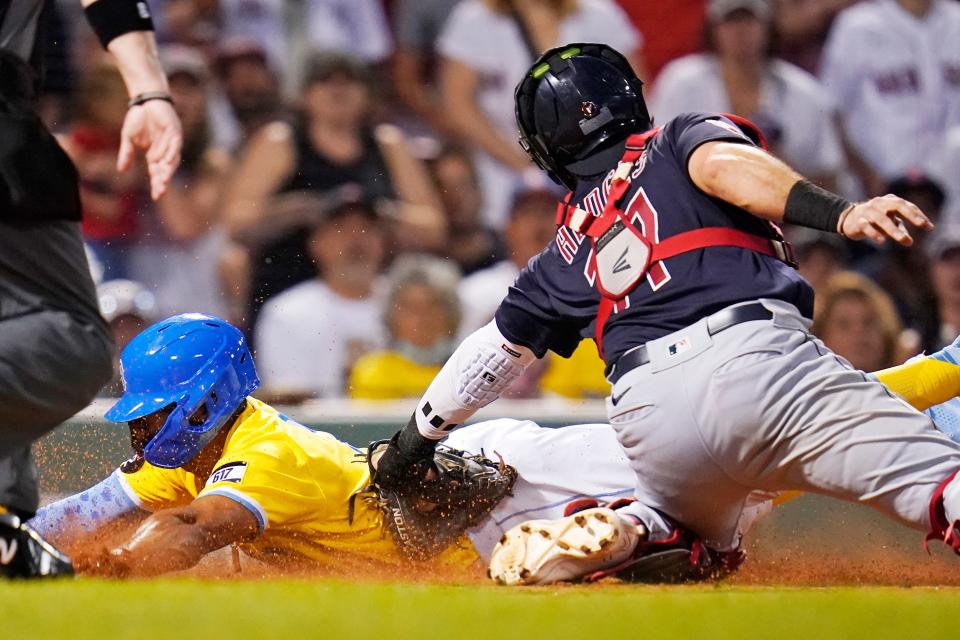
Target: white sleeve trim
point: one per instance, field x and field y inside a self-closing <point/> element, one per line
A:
<point x="128" y="490"/>
<point x="244" y="500"/>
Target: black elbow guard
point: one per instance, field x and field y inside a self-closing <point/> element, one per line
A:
<point x="113" y="18"/>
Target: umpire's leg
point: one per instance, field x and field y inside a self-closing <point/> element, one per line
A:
<point x="55" y="349"/>
<point x="18" y="479"/>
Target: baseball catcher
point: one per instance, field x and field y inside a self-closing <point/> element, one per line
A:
<point x="668" y="254"/>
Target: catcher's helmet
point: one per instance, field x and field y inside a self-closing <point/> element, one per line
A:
<point x="187" y="361"/>
<point x="575" y="109"/>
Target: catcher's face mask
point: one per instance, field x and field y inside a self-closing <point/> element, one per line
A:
<point x="574" y="109"/>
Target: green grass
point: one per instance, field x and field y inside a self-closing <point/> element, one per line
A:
<point x="339" y="610"/>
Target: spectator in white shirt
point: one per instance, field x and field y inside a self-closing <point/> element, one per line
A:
<point x="259" y="20"/>
<point x="944" y="167"/>
<point x="355" y="27"/>
<point x="892" y="71"/>
<point x="485" y="54"/>
<point x="740" y="77"/>
<point x="308" y="337"/>
<point x="530" y="229"/>
<point x="418" y="26"/>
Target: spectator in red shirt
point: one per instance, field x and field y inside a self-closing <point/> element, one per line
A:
<point x="670" y="29"/>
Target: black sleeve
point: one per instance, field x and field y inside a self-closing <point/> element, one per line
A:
<point x="528" y="315"/>
<point x="526" y="329"/>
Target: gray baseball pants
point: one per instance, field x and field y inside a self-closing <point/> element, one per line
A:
<point x="764" y="405"/>
<point x="55" y="349"/>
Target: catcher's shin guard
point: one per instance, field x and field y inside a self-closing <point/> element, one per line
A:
<point x="24" y="554"/>
<point x="569" y="548"/>
<point x="680" y="558"/>
<point x="944" y="524"/>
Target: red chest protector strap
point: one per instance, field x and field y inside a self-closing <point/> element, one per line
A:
<point x="595" y="226"/>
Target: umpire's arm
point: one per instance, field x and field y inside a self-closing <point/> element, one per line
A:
<point x="754" y="180"/>
<point x="126" y="30"/>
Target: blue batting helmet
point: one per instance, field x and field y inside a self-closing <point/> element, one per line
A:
<point x="188" y="361"/>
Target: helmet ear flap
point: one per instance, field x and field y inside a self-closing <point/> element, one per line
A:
<point x="540" y="158"/>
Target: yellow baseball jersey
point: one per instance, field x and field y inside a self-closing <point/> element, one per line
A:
<point x="297" y="483"/>
<point x="387" y="375"/>
<point x="579" y="376"/>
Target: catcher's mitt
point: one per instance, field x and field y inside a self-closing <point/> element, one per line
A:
<point x="456" y="492"/>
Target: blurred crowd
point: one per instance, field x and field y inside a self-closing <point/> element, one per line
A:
<point x="353" y="196"/>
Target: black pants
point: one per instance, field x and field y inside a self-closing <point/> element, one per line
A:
<point x="55" y="349"/>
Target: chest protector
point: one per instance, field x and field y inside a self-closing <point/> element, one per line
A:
<point x="622" y="255"/>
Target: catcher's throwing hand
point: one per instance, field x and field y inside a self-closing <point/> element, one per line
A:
<point x="881" y="218"/>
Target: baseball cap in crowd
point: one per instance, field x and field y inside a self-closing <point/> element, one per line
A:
<point x="916" y="186"/>
<point x="945" y="240"/>
<point x="323" y="65"/>
<point x="182" y="60"/>
<point x="352" y="203"/>
<point x="126" y="298"/>
<point x="239" y="48"/>
<point x="717" y="10"/>
<point x="312" y="209"/>
<point x="809" y="241"/>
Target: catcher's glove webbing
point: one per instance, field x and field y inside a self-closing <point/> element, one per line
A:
<point x="454" y="494"/>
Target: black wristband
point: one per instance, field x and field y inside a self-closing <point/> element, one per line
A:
<point x="811" y="206"/>
<point x="402" y="462"/>
<point x="138" y="100"/>
<point x="113" y="18"/>
<point x="412" y="444"/>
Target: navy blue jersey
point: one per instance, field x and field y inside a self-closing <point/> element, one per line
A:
<point x="553" y="304"/>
